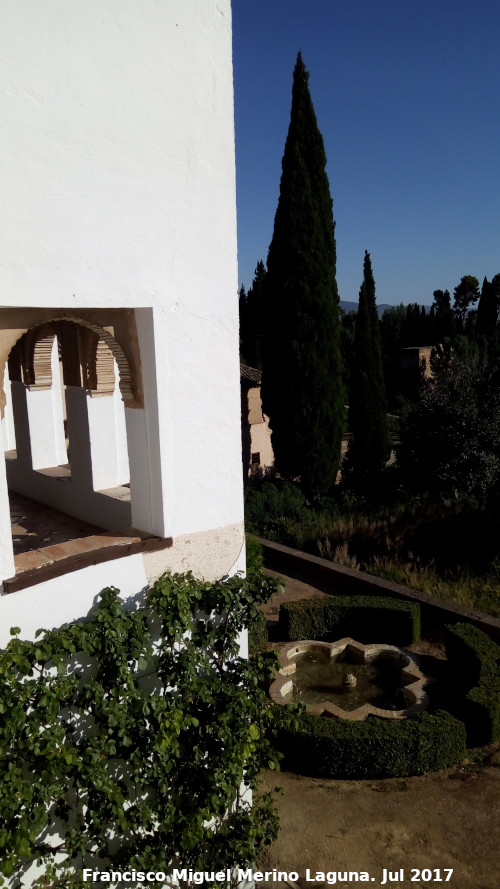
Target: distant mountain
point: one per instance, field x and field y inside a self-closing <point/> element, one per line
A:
<point x="349" y="306"/>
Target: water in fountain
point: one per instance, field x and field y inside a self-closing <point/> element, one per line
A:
<point x="319" y="677"/>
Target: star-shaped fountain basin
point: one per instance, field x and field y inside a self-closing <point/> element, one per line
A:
<point x="350" y="680"/>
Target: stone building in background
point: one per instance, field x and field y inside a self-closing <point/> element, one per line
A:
<point x="257" y="450"/>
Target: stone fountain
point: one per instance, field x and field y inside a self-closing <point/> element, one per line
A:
<point x="350" y="680"/>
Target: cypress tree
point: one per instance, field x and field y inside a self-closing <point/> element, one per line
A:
<point x="301" y="382"/>
<point x="252" y="319"/>
<point x="487" y="310"/>
<point x="369" y="445"/>
<point x="242" y="309"/>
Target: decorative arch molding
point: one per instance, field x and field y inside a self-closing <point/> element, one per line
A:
<point x="98" y="365"/>
<point x="37" y="370"/>
<point x="126" y="381"/>
<point x="93" y="354"/>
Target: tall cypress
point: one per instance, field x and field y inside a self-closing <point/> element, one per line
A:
<point x="369" y="445"/>
<point x="487" y="310"/>
<point x="301" y="380"/>
<point x="252" y="318"/>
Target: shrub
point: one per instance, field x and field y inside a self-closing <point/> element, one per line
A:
<point x="450" y="443"/>
<point x="257" y="635"/>
<point x="135" y="790"/>
<point x="254" y="557"/>
<point x="323" y="747"/>
<point x="268" y="510"/>
<point x="257" y="630"/>
<point x="365" y="618"/>
<point x="474" y="660"/>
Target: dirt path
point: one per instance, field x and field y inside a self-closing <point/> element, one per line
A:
<point x="450" y="819"/>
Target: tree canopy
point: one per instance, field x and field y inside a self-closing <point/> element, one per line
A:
<point x="466" y="294"/>
<point x="302" y="384"/>
<point x="369" y="445"/>
<point x="252" y="308"/>
<point x="450" y="444"/>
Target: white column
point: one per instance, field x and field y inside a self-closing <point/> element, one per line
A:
<point x="79" y="438"/>
<point x="140" y="481"/>
<point x="121" y="434"/>
<point x="9" y="432"/>
<point x="21" y="423"/>
<point x="45" y="417"/>
<point x="7" y="567"/>
<point x="147" y="457"/>
<point x="108" y="442"/>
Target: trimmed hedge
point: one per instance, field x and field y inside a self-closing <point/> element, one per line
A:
<point x="323" y="747"/>
<point x="254" y="557"/>
<point x="474" y="661"/>
<point x="365" y="618"/>
<point x="257" y="635"/>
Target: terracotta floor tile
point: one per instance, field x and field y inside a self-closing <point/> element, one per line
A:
<point x="67" y="548"/>
<point x="35" y="525"/>
<point x="28" y="561"/>
<point x="111" y="538"/>
<point x="18" y="530"/>
<point x="85" y="545"/>
<point x="45" y="536"/>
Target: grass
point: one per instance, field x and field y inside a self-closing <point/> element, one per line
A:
<point x="446" y="549"/>
<point x="480" y="593"/>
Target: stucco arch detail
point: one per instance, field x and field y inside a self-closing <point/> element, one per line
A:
<point x="96" y="354"/>
<point x="126" y="381"/>
<point x="40" y="362"/>
<point x="99" y="366"/>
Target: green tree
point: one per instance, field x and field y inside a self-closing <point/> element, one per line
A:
<point x="302" y="376"/>
<point x="347" y="328"/>
<point x="391" y="327"/>
<point x="242" y="309"/>
<point x="450" y="444"/>
<point x="369" y="445"/>
<point x="442" y="301"/>
<point x="465" y="295"/>
<point x="488" y="306"/>
<point x="445" y="320"/>
<point x="134" y="747"/>
<point x="252" y="318"/>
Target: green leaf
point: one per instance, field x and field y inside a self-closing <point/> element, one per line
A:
<point x="161" y="790"/>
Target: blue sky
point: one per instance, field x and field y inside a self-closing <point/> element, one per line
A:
<point x="407" y="96"/>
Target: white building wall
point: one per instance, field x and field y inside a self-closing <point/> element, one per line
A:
<point x="6" y="552"/>
<point x="118" y="190"/>
<point x="117" y="187"/>
<point x="28" y="608"/>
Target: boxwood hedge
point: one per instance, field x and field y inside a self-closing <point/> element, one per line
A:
<point x="323" y="747"/>
<point x="474" y="661"/>
<point x="365" y="618"/>
<point x="257" y="635"/>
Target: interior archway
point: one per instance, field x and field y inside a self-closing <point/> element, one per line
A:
<point x="64" y="424"/>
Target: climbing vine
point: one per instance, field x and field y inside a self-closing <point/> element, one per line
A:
<point x="127" y="739"/>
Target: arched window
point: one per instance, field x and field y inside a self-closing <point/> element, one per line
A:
<point x="69" y="381"/>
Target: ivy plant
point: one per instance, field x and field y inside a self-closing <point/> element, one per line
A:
<point x="127" y="740"/>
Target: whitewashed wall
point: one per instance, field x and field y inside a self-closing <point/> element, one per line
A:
<point x="117" y="188"/>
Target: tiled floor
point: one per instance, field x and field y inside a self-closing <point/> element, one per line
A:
<point x="35" y="526"/>
<point x="48" y="543"/>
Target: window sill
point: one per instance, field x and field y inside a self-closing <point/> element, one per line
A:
<point x="44" y="564"/>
